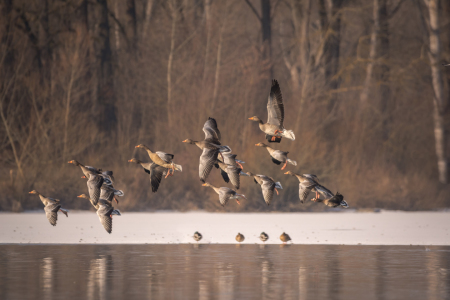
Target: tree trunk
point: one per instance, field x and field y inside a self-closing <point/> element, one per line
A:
<point x="208" y="37"/>
<point x="439" y="99"/>
<point x="267" y="34"/>
<point x="372" y="55"/>
<point x="131" y="12"/>
<point x="218" y="62"/>
<point x="169" y="64"/>
<point x="107" y="119"/>
<point x="147" y="18"/>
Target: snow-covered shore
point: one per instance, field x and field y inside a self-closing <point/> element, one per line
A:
<point x="349" y="228"/>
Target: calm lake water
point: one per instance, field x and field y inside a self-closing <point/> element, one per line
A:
<point x="223" y="272"/>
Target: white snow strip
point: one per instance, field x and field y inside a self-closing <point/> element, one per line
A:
<point x="349" y="228"/>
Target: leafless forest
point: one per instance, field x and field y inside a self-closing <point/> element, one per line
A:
<point x="363" y="83"/>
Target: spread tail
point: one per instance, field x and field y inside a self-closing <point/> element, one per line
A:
<point x="240" y="161"/>
<point x="278" y="185"/>
<point x="119" y="193"/>
<point x="116" y="212"/>
<point x="292" y="162"/>
<point x="225" y="149"/>
<point x="243" y="174"/>
<point x="289" y="134"/>
<point x="178" y="167"/>
<point x="344" y="204"/>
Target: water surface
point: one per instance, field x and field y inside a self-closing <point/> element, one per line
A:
<point x="223" y="272"/>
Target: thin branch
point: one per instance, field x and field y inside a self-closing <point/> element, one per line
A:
<point x="254" y="10"/>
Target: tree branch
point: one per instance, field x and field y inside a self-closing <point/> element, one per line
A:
<point x="253" y="9"/>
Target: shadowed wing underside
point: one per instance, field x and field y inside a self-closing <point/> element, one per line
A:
<point x="51" y="211"/>
<point x="94" y="184"/>
<point x="212" y="133"/>
<point x="104" y="214"/>
<point x="207" y="161"/>
<point x="275" y="106"/>
<point x="156" y="174"/>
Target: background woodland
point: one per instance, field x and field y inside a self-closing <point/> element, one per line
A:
<point x="363" y="84"/>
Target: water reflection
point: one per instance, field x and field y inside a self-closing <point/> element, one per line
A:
<point x="223" y="272"/>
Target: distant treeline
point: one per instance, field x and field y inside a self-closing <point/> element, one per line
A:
<point x="363" y="84"/>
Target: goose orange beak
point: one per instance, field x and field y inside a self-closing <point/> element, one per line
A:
<point x="250" y="118"/>
<point x="79" y="196"/>
<point x="204" y="184"/>
<point x="83" y="176"/>
<point x="129" y="160"/>
<point x="185" y="141"/>
<point x="287" y="173"/>
<point x="70" y="162"/>
<point x="30" y="193"/>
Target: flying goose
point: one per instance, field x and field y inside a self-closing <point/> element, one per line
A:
<point x="163" y="159"/>
<point x="52" y="206"/>
<point x="274" y="128"/>
<point x="268" y="186"/>
<point x="335" y="201"/>
<point x="225" y="194"/>
<point x="104" y="208"/>
<point x="155" y="171"/>
<point x="278" y="156"/>
<point x="211" y="148"/>
<point x="308" y="183"/>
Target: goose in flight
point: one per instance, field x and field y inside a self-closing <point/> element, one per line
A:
<point x="52" y="206"/>
<point x="308" y="183"/>
<point x="274" y="128"/>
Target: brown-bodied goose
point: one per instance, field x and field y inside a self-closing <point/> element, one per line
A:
<point x="162" y="159"/>
<point x="105" y="210"/>
<point x="240" y="237"/>
<point x="308" y="183"/>
<point x="52" y="206"/>
<point x="225" y="194"/>
<point x="155" y="171"/>
<point x="336" y="200"/>
<point x="95" y="180"/>
<point x="211" y="148"/>
<point x="278" y="156"/>
<point x="230" y="159"/>
<point x="274" y="128"/>
<point x="285" y="238"/>
<point x="230" y="173"/>
<point x="268" y="186"/>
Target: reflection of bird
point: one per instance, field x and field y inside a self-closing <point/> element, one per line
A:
<point x="211" y="148"/>
<point x="278" y="156"/>
<point x="156" y="172"/>
<point x="163" y="159"/>
<point x="240" y="237"/>
<point x="285" y="237"/>
<point x="268" y="186"/>
<point x="334" y="201"/>
<point x="225" y="194"/>
<point x="274" y="128"/>
<point x="308" y="183"/>
<point x="263" y="236"/>
<point x="51" y="208"/>
<point x="197" y="236"/>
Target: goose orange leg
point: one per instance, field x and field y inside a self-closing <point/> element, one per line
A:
<point x="276" y="191"/>
<point x="117" y="201"/>
<point x="242" y="167"/>
<point x="273" y="138"/>
<point x="284" y="166"/>
<point x="237" y="201"/>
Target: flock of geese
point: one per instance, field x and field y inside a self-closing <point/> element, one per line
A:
<point x="101" y="183"/>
